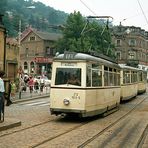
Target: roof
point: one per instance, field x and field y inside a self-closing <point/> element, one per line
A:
<point x="72" y="56"/>
<point x="40" y="34"/>
<point x="11" y="41"/>
<point x="48" y="36"/>
<point x="26" y="32"/>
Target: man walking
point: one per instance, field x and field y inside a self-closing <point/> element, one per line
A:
<point x="2" y="100"/>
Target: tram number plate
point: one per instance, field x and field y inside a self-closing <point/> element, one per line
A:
<point x="75" y="96"/>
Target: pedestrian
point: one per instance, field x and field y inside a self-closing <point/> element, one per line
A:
<point x="36" y="85"/>
<point x="23" y="85"/>
<point x="13" y="89"/>
<point x="8" y="95"/>
<point x="2" y="100"/>
<point x="31" y="84"/>
<point x="42" y="83"/>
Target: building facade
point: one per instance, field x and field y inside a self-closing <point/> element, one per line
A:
<point x="2" y="45"/>
<point x="12" y="58"/>
<point x="36" y="52"/>
<point x="131" y="45"/>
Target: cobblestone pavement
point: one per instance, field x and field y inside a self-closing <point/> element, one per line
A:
<point x="33" y="112"/>
<point x="30" y="113"/>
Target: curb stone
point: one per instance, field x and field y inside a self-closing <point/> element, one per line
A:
<point x="9" y="123"/>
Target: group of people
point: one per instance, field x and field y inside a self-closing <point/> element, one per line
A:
<point x="32" y="84"/>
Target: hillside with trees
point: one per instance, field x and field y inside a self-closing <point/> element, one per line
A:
<point x="26" y="13"/>
<point x="80" y="34"/>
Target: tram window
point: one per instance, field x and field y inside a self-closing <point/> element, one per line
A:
<point x="134" y="77"/>
<point x="118" y="79"/>
<point x="106" y="78"/>
<point x="140" y="76"/>
<point x="126" y="77"/>
<point x="96" y="66"/>
<point x="144" y="76"/>
<point x="110" y="69"/>
<point x="88" y="77"/>
<point x="96" y="78"/>
<point x="111" y="79"/>
<point x="105" y="68"/>
<point x="63" y="75"/>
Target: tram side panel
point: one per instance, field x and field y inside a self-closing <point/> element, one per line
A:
<point x="128" y="91"/>
<point x="129" y="84"/>
<point x="141" y="87"/>
<point x="100" y="100"/>
<point x="141" y="81"/>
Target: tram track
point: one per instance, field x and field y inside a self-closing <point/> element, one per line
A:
<point x="142" y="137"/>
<point x="49" y="139"/>
<point x="110" y="126"/>
<point x="26" y="128"/>
<point x="79" y="126"/>
<point x="54" y="135"/>
<point x="56" y="121"/>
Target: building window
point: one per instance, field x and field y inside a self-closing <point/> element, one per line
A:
<point x="118" y="42"/>
<point x="32" y="67"/>
<point x="25" y="66"/>
<point x="49" y="51"/>
<point x="27" y="52"/>
<point x="131" y="55"/>
<point x="118" y="55"/>
<point x="132" y="42"/>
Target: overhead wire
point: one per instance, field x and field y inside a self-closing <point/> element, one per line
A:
<point x="94" y="14"/>
<point x="143" y="11"/>
<point x="87" y="7"/>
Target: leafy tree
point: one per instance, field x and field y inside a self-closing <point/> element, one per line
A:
<point x="81" y="35"/>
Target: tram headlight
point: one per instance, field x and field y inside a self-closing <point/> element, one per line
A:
<point x="66" y="101"/>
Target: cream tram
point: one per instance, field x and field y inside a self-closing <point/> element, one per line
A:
<point x="142" y="81"/>
<point x="129" y="82"/>
<point x="84" y="85"/>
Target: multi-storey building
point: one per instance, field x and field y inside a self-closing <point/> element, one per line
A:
<point x="131" y="45"/>
<point x="36" y="51"/>
<point x="9" y="53"/>
<point x="2" y="45"/>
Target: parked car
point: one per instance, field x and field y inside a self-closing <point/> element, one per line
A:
<point x="43" y="79"/>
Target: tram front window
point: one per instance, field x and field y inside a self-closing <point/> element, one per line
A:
<point x="68" y="76"/>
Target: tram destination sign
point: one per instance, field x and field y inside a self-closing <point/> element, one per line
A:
<point x="69" y="55"/>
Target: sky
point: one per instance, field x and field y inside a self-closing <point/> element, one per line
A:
<point x="128" y="12"/>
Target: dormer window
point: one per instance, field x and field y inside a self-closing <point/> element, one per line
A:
<point x="32" y="38"/>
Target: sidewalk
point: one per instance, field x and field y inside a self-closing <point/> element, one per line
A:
<point x="23" y="96"/>
<point x="20" y="97"/>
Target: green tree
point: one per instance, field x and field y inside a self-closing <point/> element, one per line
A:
<point x="3" y="6"/>
<point x="81" y="35"/>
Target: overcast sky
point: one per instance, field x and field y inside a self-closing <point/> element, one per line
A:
<point x="133" y="12"/>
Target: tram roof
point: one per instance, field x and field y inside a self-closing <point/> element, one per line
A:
<point x="84" y="57"/>
<point x="128" y="67"/>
